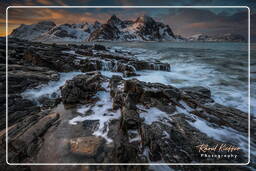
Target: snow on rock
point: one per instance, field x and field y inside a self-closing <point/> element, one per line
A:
<point x="31" y="32"/>
<point x="144" y="28"/>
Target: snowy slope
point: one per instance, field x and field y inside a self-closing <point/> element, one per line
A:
<point x="69" y="32"/>
<point x="144" y="28"/>
<point x="31" y="32"/>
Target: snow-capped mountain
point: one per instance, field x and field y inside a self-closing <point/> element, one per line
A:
<point x="144" y="28"/>
<point x="69" y="32"/>
<point x="228" y="37"/>
<point x="32" y="32"/>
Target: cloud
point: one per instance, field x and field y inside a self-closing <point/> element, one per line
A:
<point x="182" y="21"/>
<point x="193" y="21"/>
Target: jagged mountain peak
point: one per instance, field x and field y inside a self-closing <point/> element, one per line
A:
<point x="145" y="19"/>
<point x="113" y="20"/>
<point x="97" y="22"/>
<point x="144" y="28"/>
<point x="30" y="32"/>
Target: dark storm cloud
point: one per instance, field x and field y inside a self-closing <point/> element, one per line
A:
<point x="194" y="21"/>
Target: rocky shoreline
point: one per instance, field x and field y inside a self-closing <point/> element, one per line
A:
<point x="93" y="118"/>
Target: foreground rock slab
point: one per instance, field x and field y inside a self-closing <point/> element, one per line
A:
<point x="87" y="146"/>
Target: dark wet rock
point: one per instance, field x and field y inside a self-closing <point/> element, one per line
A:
<point x="81" y="88"/>
<point x="91" y="125"/>
<point x="22" y="77"/>
<point x="229" y="117"/>
<point x="61" y="58"/>
<point x="32" y="132"/>
<point x="172" y="142"/>
<point x="99" y="47"/>
<point x="125" y="152"/>
<point x="19" y="108"/>
<point x="144" y="65"/>
<point x="25" y="137"/>
<point x="130" y="119"/>
<point x="116" y="91"/>
<point x="178" y="142"/>
<point x="46" y="102"/>
<point x="87" y="52"/>
<point x="199" y="94"/>
<point x="54" y="59"/>
<point x="88" y="65"/>
<point x="145" y="91"/>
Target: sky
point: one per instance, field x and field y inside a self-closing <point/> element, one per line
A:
<point x="182" y="21"/>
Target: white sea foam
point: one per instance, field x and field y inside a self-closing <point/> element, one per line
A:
<point x="198" y="65"/>
<point x="225" y="134"/>
<point x="153" y="115"/>
<point x="137" y="136"/>
<point x="101" y="112"/>
<point x="72" y="52"/>
<point x="51" y="89"/>
<point x="109" y="74"/>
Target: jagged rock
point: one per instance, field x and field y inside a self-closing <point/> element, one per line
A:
<point x="18" y="109"/>
<point x="105" y="32"/>
<point x="25" y="138"/>
<point x="47" y="102"/>
<point x="144" y="65"/>
<point x="227" y="116"/>
<point x="54" y="59"/>
<point x="144" y="28"/>
<point x="86" y="146"/>
<point x="199" y="90"/>
<point x="177" y="140"/>
<point x="194" y="96"/>
<point x="130" y="119"/>
<point x="134" y="139"/>
<point x="145" y="91"/>
<point x="20" y="78"/>
<point x="81" y="88"/>
<point x="99" y="47"/>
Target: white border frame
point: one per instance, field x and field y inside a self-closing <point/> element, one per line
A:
<point x="249" y="85"/>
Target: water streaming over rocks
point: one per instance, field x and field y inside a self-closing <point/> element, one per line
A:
<point x="136" y="103"/>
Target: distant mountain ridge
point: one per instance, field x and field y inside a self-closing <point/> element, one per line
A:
<point x="228" y="37"/>
<point x="144" y="28"/>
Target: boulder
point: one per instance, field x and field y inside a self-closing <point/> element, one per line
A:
<point x="81" y="88"/>
<point x="86" y="146"/>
